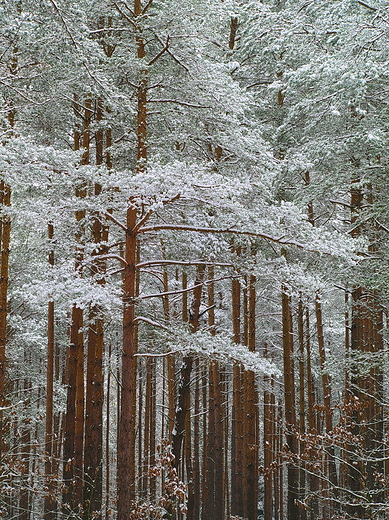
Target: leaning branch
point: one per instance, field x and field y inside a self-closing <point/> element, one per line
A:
<point x="177" y="102"/>
<point x="187" y="289"/>
<point x="103" y="257"/>
<point x="181" y="262"/>
<point x="125" y="16"/>
<point x="367" y="6"/>
<point x="173" y="227"/>
<point x="64" y="22"/>
<point x="160" y="53"/>
<point x="109" y="216"/>
<point x="151" y="322"/>
<point x="147" y="6"/>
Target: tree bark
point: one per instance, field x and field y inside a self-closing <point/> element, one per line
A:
<point x="127" y="421"/>
<point x="326" y="386"/>
<point x="250" y="425"/>
<point x="289" y="403"/>
<point x="50" y="504"/>
<point x="268" y="439"/>
<point x="237" y="406"/>
<point x="183" y="391"/>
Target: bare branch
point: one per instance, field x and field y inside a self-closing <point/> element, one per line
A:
<point x="279" y="240"/>
<point x="64" y="22"/>
<point x="109" y="216"/>
<point x="147" y="6"/>
<point x="367" y="6"/>
<point x="125" y="16"/>
<point x="384" y="228"/>
<point x="177" y="102"/>
<point x="150" y="212"/>
<point x="143" y="220"/>
<point x="179" y="262"/>
<point x="103" y="257"/>
<point x="160" y="53"/>
<point x="340" y="203"/>
<point x="150" y="322"/>
<point x="162" y="354"/>
<point x="187" y="289"/>
<point x="172" y="55"/>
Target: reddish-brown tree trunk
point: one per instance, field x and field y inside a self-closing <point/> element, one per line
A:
<point x="326" y="386"/>
<point x="196" y="445"/>
<point x="204" y="473"/>
<point x="237" y="408"/>
<point x="300" y="319"/>
<point x="183" y="391"/>
<point x="289" y="403"/>
<point x="312" y="417"/>
<point x="250" y="424"/>
<point x="5" y="193"/>
<point x="74" y="424"/>
<point x="127" y="421"/>
<point x="107" y="438"/>
<point x="93" y="456"/>
<point x="126" y="473"/>
<point x="50" y="504"/>
<point x="268" y="440"/>
<point x="5" y="239"/>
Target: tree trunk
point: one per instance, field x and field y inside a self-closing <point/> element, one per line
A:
<point x="300" y="318"/>
<point x="93" y="457"/>
<point x="289" y="403"/>
<point x="5" y="195"/>
<point x="312" y="418"/>
<point x="127" y="422"/>
<point x="50" y="504"/>
<point x="183" y="391"/>
<point x="250" y="424"/>
<point x="237" y="402"/>
<point x="74" y="425"/>
<point x="268" y="439"/>
<point x="326" y="386"/>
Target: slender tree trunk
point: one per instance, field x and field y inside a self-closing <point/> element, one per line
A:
<point x="189" y="462"/>
<point x="25" y="459"/>
<point x="250" y="432"/>
<point x="107" y="438"/>
<point x="127" y="422"/>
<point x="126" y="473"/>
<point x="50" y="504"/>
<point x="289" y="402"/>
<point x="237" y="404"/>
<point x="94" y="420"/>
<point x="279" y="474"/>
<point x="303" y="513"/>
<point x="204" y="473"/>
<point x="268" y="433"/>
<point x="5" y="222"/>
<point x="182" y="417"/>
<point x="74" y="424"/>
<point x="196" y="445"/>
<point x="326" y="385"/>
<point x="183" y="392"/>
<point x="312" y="418"/>
<point x="146" y="430"/>
<point x="77" y="328"/>
<point x="93" y="457"/>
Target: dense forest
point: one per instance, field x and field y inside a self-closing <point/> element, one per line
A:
<point x="194" y="259"/>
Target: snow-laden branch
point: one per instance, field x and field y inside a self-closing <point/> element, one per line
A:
<point x="187" y="289"/>
<point x="221" y="347"/>
<point x="109" y="216"/>
<point x="178" y="227"/>
<point x="150" y="322"/>
<point x="181" y="262"/>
